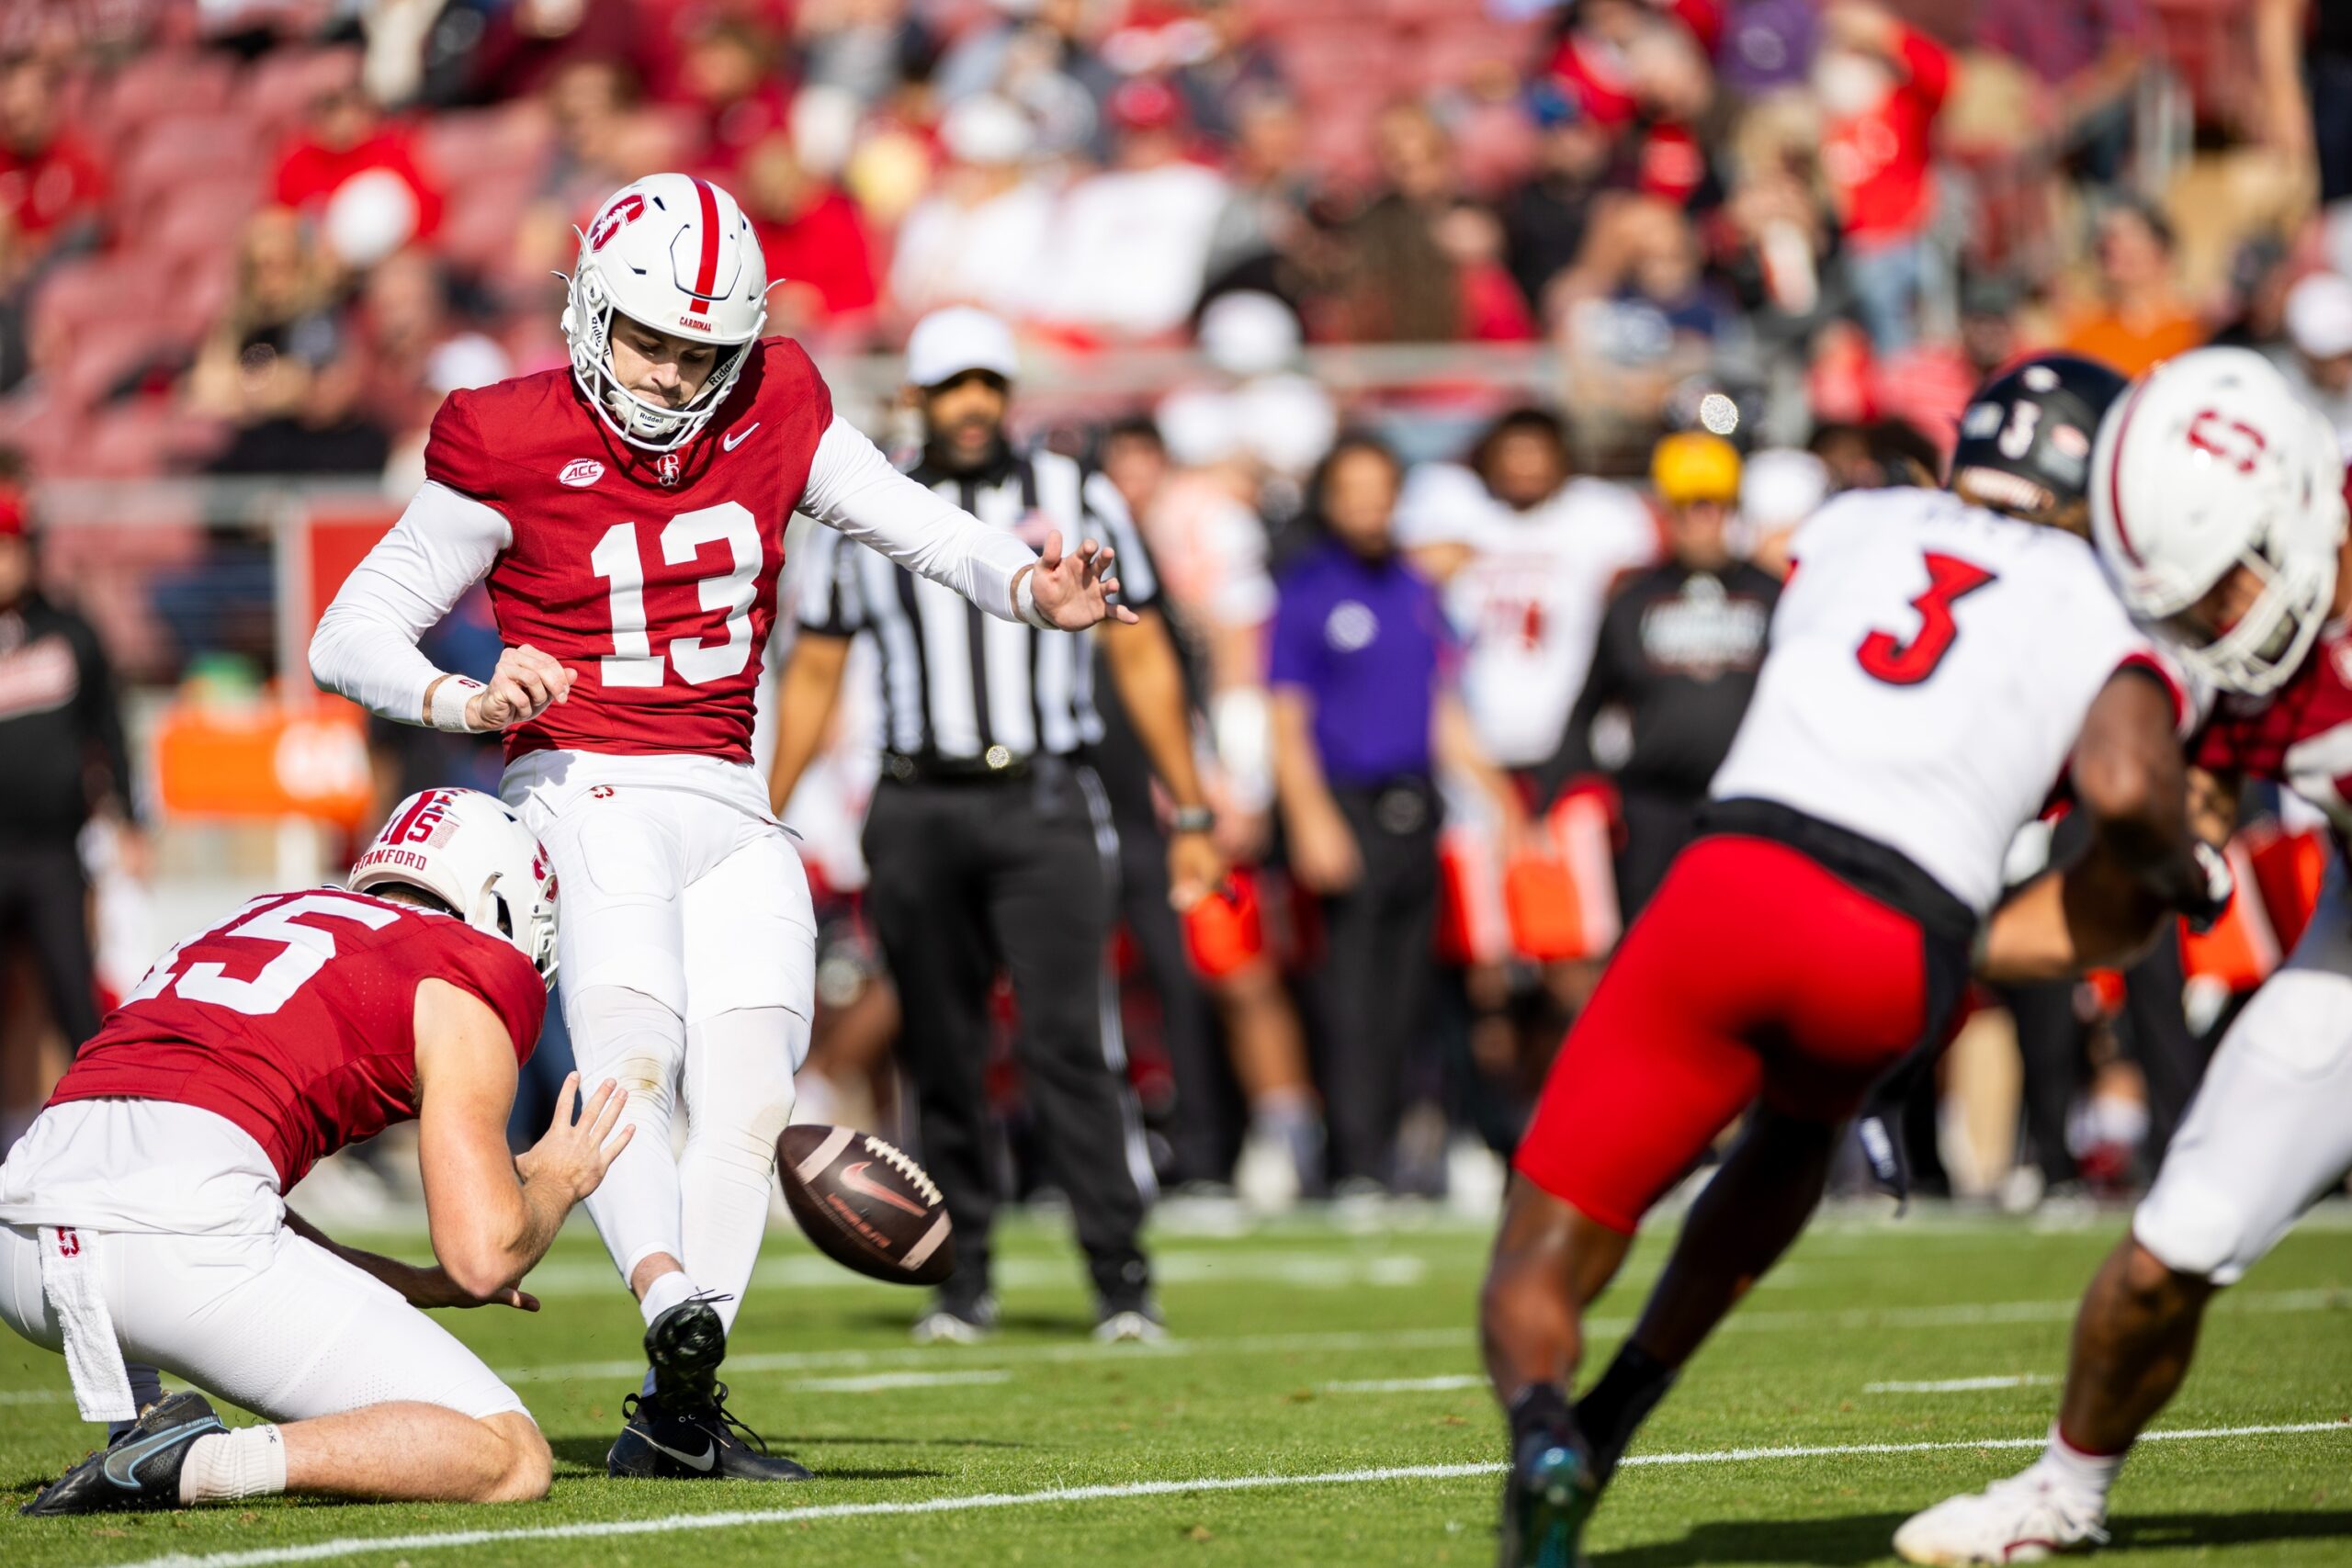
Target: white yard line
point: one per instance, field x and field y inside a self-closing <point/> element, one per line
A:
<point x="328" y="1550"/>
<point x="877" y="1382"/>
<point x="1406" y="1385"/>
<point x="1961" y="1386"/>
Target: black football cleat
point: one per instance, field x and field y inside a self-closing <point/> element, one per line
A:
<point x="703" y="1442"/>
<point x="139" y="1470"/>
<point x="683" y="1346"/>
<point x="1546" y="1498"/>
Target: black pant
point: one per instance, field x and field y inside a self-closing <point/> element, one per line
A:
<point x="1657" y="828"/>
<point x="1022" y="874"/>
<point x="44" y="897"/>
<point x="1373" y="989"/>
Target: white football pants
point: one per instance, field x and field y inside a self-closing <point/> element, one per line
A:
<point x="686" y="951"/>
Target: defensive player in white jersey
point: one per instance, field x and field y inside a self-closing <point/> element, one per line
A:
<point x="629" y="519"/>
<point x="2217" y="502"/>
<point x="1938" y="660"/>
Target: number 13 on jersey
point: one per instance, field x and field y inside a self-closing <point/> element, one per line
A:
<point x="634" y="661"/>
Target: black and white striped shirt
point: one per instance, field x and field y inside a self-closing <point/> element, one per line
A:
<point x="959" y="685"/>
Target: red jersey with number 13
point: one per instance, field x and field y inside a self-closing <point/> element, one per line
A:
<point x="661" y="595"/>
<point x="295" y="1019"/>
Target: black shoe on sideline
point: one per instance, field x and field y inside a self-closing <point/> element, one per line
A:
<point x="704" y="1442"/>
<point x="1546" y="1499"/>
<point x="139" y="1470"/>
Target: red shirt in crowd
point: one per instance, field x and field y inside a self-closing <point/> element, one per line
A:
<point x="308" y="174"/>
<point x="1878" y="160"/>
<point x="824" y="249"/>
<point x="57" y="185"/>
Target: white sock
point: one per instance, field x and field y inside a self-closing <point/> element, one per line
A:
<point x="664" y="1294"/>
<point x="739" y="1099"/>
<point x="248" y="1462"/>
<point x="2078" y="1474"/>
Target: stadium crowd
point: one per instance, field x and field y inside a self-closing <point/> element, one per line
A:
<point x="1463" y="662"/>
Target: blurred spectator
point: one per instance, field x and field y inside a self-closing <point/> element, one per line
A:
<point x="413" y="354"/>
<point x="1779" y="488"/>
<point x="2140" y="319"/>
<point x="1882" y="84"/>
<point x="979" y="238"/>
<point x="1361" y="675"/>
<point x="1640" y="315"/>
<point x="729" y="74"/>
<point x="819" y="273"/>
<point x="600" y="145"/>
<point x="2319" y="358"/>
<point x="1218" y="60"/>
<point x="61" y="732"/>
<point x="1779" y="237"/>
<point x="1545" y="219"/>
<point x="277" y="365"/>
<point x="525" y="45"/>
<point x="1041" y="56"/>
<point x="1427" y="263"/>
<point x="1130" y="245"/>
<point x="357" y="176"/>
<point x="1675" y="661"/>
<point x="51" y="187"/>
<point x="857" y="50"/>
<point x="1264" y="229"/>
<point x="2085" y="58"/>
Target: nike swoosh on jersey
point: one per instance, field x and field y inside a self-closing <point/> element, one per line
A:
<point x="702" y="1460"/>
<point x="854" y="1178"/>
<point x="731" y="442"/>
<point x="122" y="1466"/>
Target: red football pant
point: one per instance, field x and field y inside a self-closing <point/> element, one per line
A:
<point x="1752" y="971"/>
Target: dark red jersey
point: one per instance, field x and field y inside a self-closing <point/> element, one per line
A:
<point x="295" y="1019"/>
<point x="2300" y="736"/>
<point x="660" y="594"/>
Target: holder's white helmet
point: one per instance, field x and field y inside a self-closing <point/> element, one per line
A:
<point x="472" y="853"/>
<point x="2212" y="462"/>
<point x="672" y="252"/>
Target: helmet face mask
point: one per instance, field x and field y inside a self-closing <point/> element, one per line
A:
<point x="2211" y="466"/>
<point x="676" y="255"/>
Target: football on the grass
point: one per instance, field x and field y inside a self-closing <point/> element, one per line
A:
<point x="865" y="1205"/>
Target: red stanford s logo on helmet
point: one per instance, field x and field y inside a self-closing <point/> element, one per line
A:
<point x="472" y="853"/>
<point x="675" y="254"/>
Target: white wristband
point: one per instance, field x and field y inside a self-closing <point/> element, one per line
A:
<point x="447" y="709"/>
<point x="1024" y="603"/>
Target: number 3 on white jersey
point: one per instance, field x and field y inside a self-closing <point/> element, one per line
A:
<point x="633" y="662"/>
<point x="304" y="951"/>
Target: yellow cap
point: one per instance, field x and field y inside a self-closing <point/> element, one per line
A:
<point x="1694" y="466"/>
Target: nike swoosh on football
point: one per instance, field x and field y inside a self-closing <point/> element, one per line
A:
<point x="131" y="1455"/>
<point x="702" y="1460"/>
<point x="731" y="442"/>
<point x="854" y="1178"/>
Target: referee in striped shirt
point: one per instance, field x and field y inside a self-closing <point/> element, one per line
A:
<point x="990" y="841"/>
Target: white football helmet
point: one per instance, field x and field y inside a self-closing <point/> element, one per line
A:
<point x="2209" y="463"/>
<point x="672" y="252"/>
<point x="472" y="853"/>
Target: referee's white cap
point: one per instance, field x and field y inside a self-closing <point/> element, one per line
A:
<point x="946" y="343"/>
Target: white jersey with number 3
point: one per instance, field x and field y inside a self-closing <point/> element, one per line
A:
<point x="1931" y="663"/>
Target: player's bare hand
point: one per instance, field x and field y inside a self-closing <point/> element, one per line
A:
<point x="1074" y="591"/>
<point x="1195" y="867"/>
<point x="1323" y="853"/>
<point x="434" y="1288"/>
<point x="526" y="684"/>
<point x="575" y="1154"/>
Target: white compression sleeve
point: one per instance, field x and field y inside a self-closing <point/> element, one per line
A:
<point x="852" y="487"/>
<point x="628" y="1036"/>
<point x="365" y="647"/>
<point x="739" y="1098"/>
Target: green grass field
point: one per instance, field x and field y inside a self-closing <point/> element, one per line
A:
<point x="1308" y="1355"/>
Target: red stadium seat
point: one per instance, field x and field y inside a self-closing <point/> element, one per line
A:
<point x="167" y="82"/>
<point x="143" y="438"/>
<point x="181" y="151"/>
<point x="494" y="144"/>
<point x="200" y="217"/>
<point x="101" y="356"/>
<point x="278" y="91"/>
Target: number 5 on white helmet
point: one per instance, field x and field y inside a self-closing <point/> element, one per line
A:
<point x="674" y="254"/>
<point x="472" y="853"/>
<point x="2208" y="464"/>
